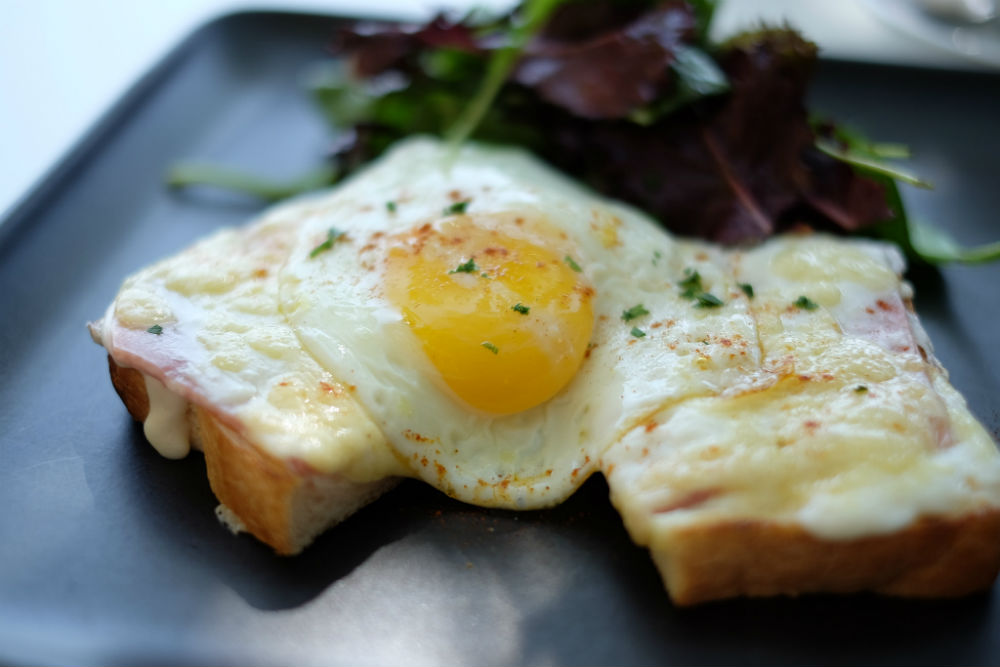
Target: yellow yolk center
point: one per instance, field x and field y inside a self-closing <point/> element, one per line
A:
<point x="505" y="321"/>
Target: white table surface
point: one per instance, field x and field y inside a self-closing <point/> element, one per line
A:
<point x="64" y="62"/>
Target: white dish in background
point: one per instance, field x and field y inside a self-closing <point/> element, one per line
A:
<point x="970" y="28"/>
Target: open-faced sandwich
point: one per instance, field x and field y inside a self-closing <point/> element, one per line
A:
<point x="770" y="417"/>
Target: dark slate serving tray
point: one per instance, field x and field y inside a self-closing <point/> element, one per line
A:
<point x="111" y="555"/>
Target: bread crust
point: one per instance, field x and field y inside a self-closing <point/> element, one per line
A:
<point x="283" y="503"/>
<point x="932" y="557"/>
<point x="131" y="388"/>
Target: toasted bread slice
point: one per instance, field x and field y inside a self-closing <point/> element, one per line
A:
<point x="930" y="558"/>
<point x="848" y="463"/>
<point x="200" y="355"/>
<point x="281" y="502"/>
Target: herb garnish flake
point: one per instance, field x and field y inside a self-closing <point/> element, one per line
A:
<point x="458" y="208"/>
<point x="634" y="312"/>
<point x="332" y="236"/>
<point x="805" y="303"/>
<point x="465" y="267"/>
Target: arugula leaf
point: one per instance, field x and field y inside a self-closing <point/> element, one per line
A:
<point x="189" y="174"/>
<point x="535" y="12"/>
<point x="919" y="240"/>
<point x="869" y="161"/>
<point x="936" y="246"/>
<point x="858" y="142"/>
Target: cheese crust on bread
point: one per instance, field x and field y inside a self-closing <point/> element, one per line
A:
<point x="770" y="420"/>
<point x="289" y="452"/>
<point x="848" y="455"/>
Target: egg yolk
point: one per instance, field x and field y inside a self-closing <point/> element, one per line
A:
<point x="505" y="320"/>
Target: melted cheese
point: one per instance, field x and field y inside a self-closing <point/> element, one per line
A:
<point x="166" y="425"/>
<point x="237" y="356"/>
<point x="845" y="430"/>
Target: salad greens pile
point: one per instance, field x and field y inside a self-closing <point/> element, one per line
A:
<point x="630" y="97"/>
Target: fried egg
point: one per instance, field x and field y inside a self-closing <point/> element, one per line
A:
<point x="501" y="325"/>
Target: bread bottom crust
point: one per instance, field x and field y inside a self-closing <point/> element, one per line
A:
<point x="283" y="503"/>
<point x="932" y="557"/>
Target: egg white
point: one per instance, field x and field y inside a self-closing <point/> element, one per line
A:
<point x="335" y="302"/>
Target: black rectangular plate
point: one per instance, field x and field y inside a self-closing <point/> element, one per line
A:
<point x="112" y="555"/>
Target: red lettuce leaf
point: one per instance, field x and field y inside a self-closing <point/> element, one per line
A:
<point x="613" y="72"/>
<point x="373" y="48"/>
<point x="733" y="169"/>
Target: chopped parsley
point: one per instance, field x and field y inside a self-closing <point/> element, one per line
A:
<point x="484" y="275"/>
<point x="860" y="389"/>
<point x="693" y="290"/>
<point x="465" y="267"/>
<point x="491" y="347"/>
<point x="521" y="308"/>
<point x="632" y="313"/>
<point x="458" y="208"/>
<point x="747" y="289"/>
<point x="390" y="206"/>
<point x="805" y="303"/>
<point x="656" y="257"/>
<point x="332" y="236"/>
<point x="571" y="263"/>
<point x="637" y="332"/>
<point x="707" y="300"/>
<point x="691" y="284"/>
<point x="155" y="329"/>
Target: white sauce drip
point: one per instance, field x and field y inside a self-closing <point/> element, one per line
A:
<point x="166" y="425"/>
